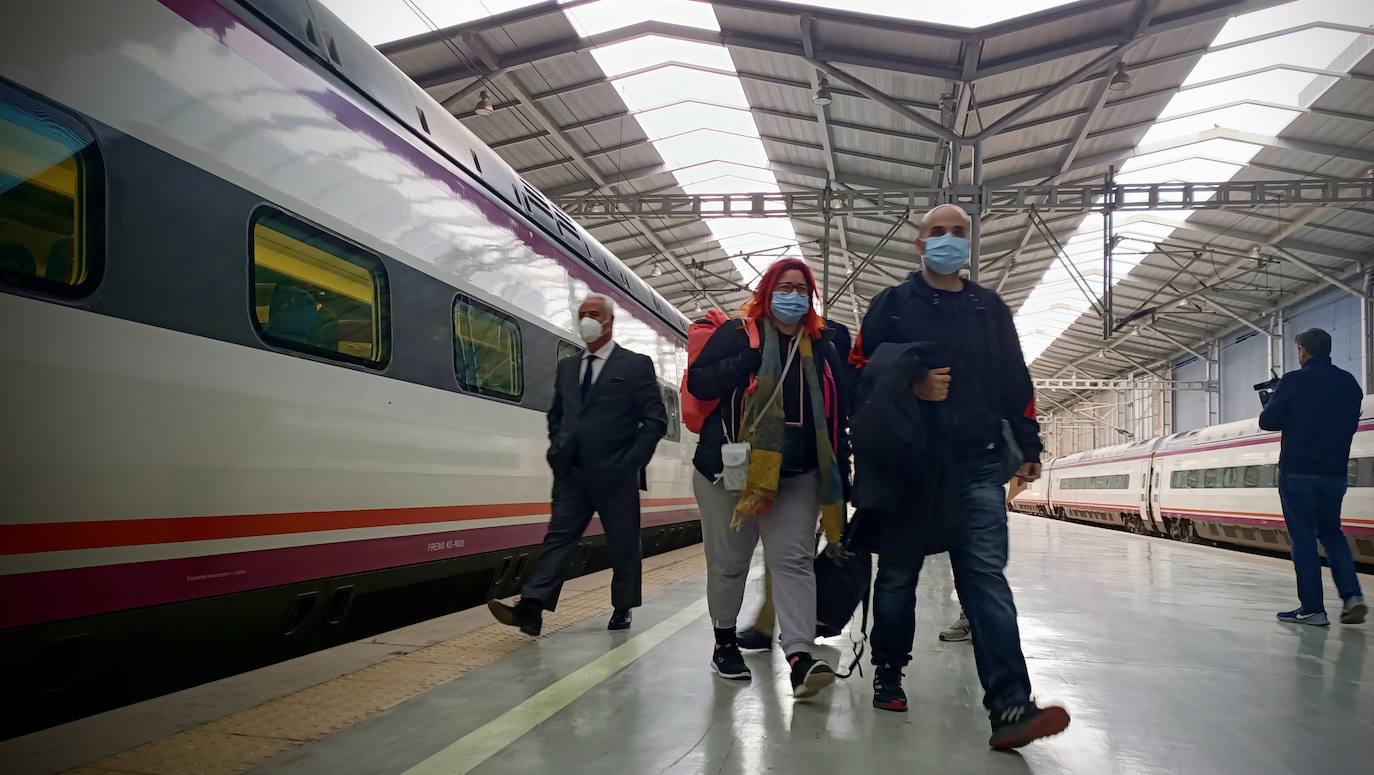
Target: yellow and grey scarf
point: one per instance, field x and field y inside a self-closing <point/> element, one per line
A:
<point x="766" y="439"/>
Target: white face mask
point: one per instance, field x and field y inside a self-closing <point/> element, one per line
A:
<point x="590" y="330"/>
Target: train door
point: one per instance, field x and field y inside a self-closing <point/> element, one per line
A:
<point x="1150" y="495"/>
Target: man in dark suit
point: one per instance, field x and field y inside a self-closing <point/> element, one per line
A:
<point x="604" y="426"/>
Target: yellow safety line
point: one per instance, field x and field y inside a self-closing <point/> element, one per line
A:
<point x="476" y="747"/>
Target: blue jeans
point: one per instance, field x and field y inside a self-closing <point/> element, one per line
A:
<point x="978" y="555"/>
<point x="1312" y="511"/>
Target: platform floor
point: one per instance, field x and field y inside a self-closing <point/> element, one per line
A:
<point x="1166" y="654"/>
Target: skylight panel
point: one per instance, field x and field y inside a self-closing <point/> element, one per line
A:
<point x="671" y="120"/>
<point x="1247" y="118"/>
<point x="638" y="53"/>
<point x="656" y="88"/>
<point x="703" y="145"/>
<point x="608" y="15"/>
<point x="1282" y="87"/>
<point x="1282" y="17"/>
<point x="954" y="14"/>
<point x="1307" y="48"/>
<point x="1217" y="148"/>
<point x="382" y="21"/>
<point x="1184" y="171"/>
<point x="698" y="174"/>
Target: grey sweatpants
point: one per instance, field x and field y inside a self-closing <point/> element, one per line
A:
<point x="789" y="547"/>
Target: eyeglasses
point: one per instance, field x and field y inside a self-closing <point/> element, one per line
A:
<point x="801" y="288"/>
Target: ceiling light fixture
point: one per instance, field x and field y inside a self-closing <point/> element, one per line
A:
<point x="657" y="271"/>
<point x="1121" y="80"/>
<point x="822" y="96"/>
<point x="484" y="107"/>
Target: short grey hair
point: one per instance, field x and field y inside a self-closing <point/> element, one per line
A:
<point x="605" y="300"/>
<point x="925" y="219"/>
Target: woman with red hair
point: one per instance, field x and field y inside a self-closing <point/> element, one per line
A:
<point x="785" y="400"/>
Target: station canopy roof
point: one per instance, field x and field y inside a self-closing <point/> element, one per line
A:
<point x="636" y="98"/>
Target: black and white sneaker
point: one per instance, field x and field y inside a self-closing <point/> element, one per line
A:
<point x="728" y="663"/>
<point x="1299" y="616"/>
<point x="1022" y="724"/>
<point x="809" y="676"/>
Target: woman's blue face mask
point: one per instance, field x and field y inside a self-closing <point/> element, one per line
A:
<point x="945" y="253"/>
<point x="789" y="307"/>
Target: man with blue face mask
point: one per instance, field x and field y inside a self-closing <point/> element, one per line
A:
<point x="977" y="386"/>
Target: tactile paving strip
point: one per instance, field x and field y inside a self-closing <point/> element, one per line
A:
<point x="243" y="740"/>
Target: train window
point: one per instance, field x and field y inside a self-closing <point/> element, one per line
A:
<point x="1251" y="476"/>
<point x="1194" y="478"/>
<point x="486" y="350"/>
<point x="1230" y="477"/>
<point x="1268" y="475"/>
<point x="670" y="405"/>
<point x="567" y="349"/>
<point x="1352" y="469"/>
<point x="49" y="198"/>
<point x="1211" y="478"/>
<point x="1178" y="480"/>
<point x="315" y="293"/>
<point x="1365" y="476"/>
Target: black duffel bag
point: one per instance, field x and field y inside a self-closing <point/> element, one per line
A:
<point x="843" y="581"/>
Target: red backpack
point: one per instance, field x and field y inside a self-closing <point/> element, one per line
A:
<point x="694" y="410"/>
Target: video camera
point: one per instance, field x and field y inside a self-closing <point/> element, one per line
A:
<point x="1266" y="389"/>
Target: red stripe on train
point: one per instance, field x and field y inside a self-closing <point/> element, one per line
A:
<point x="100" y="534"/>
<point x="45" y="596"/>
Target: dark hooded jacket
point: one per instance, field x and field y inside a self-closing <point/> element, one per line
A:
<point x="904" y="485"/>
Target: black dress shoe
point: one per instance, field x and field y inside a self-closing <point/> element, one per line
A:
<point x="524" y="615"/>
<point x="620" y="619"/>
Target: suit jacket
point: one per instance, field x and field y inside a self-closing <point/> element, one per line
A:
<point x="613" y="433"/>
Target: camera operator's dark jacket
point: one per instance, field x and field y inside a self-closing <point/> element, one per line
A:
<point x="1318" y="408"/>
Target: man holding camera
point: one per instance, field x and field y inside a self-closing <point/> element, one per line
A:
<point x="1317" y="408"/>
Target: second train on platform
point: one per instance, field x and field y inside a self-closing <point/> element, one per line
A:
<point x="1209" y="484"/>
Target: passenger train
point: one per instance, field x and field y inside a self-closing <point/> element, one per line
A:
<point x="1210" y="484"/>
<point x="280" y="336"/>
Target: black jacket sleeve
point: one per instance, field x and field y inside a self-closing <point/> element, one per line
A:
<point x="1017" y="392"/>
<point x="1275" y="413"/>
<point x="653" y="418"/>
<point x="724" y="364"/>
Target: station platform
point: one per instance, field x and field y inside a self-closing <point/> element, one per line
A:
<point x="1166" y="654"/>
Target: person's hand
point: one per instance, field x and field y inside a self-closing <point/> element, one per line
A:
<point x="934" y="387"/>
<point x="1028" y="472"/>
<point x="836" y="552"/>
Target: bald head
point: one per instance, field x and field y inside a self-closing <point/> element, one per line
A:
<point x="950" y="219"/>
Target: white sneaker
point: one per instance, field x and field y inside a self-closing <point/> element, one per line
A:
<point x="957" y="632"/>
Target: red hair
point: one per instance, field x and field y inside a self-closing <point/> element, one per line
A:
<point x="761" y="305"/>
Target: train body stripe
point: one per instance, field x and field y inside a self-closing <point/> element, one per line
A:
<point x="103" y="534"/>
<point x="43" y="596"/>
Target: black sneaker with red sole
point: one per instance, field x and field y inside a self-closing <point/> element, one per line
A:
<point x="888" y="693"/>
<point x="1023" y="724"/>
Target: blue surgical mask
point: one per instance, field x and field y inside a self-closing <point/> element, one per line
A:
<point x="946" y="253"/>
<point x="789" y="307"/>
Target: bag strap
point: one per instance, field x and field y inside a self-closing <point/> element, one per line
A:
<point x="782" y="380"/>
